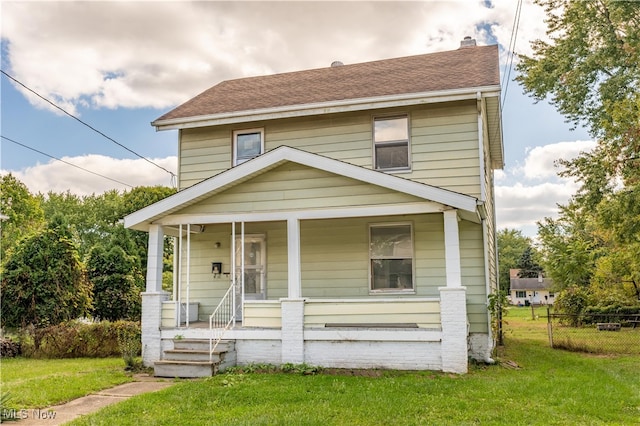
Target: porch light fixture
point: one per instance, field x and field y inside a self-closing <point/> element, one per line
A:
<point x="217" y="244"/>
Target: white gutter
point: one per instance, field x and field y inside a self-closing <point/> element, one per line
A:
<point x="347" y="105"/>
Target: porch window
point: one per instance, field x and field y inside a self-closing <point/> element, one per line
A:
<point x="391" y="257"/>
<point x="247" y="144"/>
<point x="521" y="294"/>
<point x="391" y="143"/>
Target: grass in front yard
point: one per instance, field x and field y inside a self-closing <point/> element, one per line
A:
<point x="533" y="385"/>
<point x="38" y="383"/>
<point x="548" y="387"/>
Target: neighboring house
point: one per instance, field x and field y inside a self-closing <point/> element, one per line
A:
<point x="526" y="291"/>
<point x="352" y="205"/>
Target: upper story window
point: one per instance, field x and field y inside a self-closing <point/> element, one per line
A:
<point x="391" y="143"/>
<point x="247" y="144"/>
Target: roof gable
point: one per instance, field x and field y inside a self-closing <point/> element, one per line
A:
<point x="471" y="67"/>
<point x="272" y="159"/>
<point x="295" y="187"/>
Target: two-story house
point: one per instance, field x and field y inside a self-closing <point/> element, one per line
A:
<point x="340" y="217"/>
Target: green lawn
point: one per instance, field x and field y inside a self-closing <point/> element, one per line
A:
<point x="533" y="385"/>
<point x="547" y="387"/>
<point x="38" y="383"/>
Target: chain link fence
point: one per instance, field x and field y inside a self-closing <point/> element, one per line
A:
<point x="595" y="333"/>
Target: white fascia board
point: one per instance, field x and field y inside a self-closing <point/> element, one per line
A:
<point x="346" y="105"/>
<point x="313" y="214"/>
<point x="202" y="189"/>
<point x="140" y="219"/>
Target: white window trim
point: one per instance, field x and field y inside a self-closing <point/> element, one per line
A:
<point x="407" y="169"/>
<point x="413" y="259"/>
<point x="234" y="149"/>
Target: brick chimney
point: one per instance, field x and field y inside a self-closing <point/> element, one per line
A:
<point x="468" y="42"/>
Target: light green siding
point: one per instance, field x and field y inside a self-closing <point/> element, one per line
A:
<point x="335" y="262"/>
<point x="473" y="275"/>
<point x="207" y="289"/>
<point x="293" y="187"/>
<point x="444" y="143"/>
<point x="335" y="256"/>
<point x="425" y="314"/>
<point x="445" y="153"/>
<point x="262" y="314"/>
<point x="168" y="315"/>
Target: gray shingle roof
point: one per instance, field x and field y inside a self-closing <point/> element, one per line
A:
<point x="530" y="284"/>
<point x="467" y="67"/>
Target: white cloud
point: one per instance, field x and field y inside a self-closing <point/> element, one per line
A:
<point x="540" y="162"/>
<point x="532" y="192"/>
<point x="158" y="54"/>
<point x="56" y="176"/>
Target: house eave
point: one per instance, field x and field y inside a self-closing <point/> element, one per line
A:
<point x="346" y="105"/>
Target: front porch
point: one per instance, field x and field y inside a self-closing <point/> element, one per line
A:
<point x="333" y="264"/>
<point x="295" y="319"/>
<point x="384" y="333"/>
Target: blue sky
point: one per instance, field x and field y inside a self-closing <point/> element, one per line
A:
<point x="118" y="66"/>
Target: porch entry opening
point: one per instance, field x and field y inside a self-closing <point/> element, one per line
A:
<point x="251" y="267"/>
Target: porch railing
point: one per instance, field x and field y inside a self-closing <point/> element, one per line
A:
<point x="222" y="319"/>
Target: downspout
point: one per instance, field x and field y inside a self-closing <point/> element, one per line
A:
<point x="483" y="199"/>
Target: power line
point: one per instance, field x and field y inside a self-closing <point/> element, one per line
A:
<point x="65" y="162"/>
<point x="86" y="124"/>
<point x="511" y="52"/>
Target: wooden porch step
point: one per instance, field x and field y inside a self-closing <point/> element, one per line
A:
<point x="202" y="344"/>
<point x="190" y="358"/>
<point x="169" y="368"/>
<point x="193" y="355"/>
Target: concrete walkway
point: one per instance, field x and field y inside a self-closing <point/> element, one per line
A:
<point x="60" y="414"/>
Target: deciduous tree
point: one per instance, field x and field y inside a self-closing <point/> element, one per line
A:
<point x="117" y="282"/>
<point x="44" y="282"/>
<point x="511" y="246"/>
<point x="589" y="70"/>
<point x="23" y="212"/>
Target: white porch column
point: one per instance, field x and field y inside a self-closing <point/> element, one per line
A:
<point x="152" y="298"/>
<point x="453" y="318"/>
<point x="292" y="307"/>
<point x="292" y="330"/>
<point x="293" y="254"/>
<point x="452" y="249"/>
<point x="155" y="253"/>
<point x="453" y="301"/>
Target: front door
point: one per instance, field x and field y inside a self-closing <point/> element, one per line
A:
<point x="255" y="267"/>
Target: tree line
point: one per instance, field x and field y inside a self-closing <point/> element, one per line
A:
<point x="589" y="69"/>
<point x="64" y="256"/>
